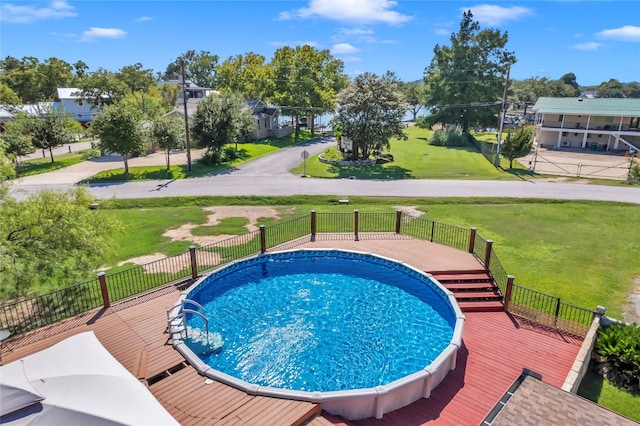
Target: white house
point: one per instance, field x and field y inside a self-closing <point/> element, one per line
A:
<point x="77" y="107"/>
<point x="597" y="124"/>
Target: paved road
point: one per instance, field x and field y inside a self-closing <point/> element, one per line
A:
<point x="269" y="176"/>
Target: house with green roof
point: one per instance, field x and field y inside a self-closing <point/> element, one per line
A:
<point x="596" y="124"/>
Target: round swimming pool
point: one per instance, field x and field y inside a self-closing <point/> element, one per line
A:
<point x="329" y="326"/>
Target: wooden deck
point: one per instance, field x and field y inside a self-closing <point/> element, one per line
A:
<point x="496" y="348"/>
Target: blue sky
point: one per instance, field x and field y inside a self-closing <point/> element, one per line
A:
<point x="596" y="40"/>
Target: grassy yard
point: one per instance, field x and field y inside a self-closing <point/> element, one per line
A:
<point x="43" y="165"/>
<point x="562" y="248"/>
<point x="416" y="159"/>
<point x="600" y="390"/>
<point x="246" y="152"/>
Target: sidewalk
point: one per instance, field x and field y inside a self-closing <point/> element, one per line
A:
<point x="86" y="169"/>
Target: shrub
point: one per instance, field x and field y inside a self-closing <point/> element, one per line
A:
<point x="229" y="153"/>
<point x="92" y="153"/>
<point x="634" y="174"/>
<point x="448" y="136"/>
<point x="618" y="355"/>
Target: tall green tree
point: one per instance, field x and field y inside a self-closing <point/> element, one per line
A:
<point x="414" y="94"/>
<point x="200" y="68"/>
<point x="136" y="78"/>
<point x="249" y="75"/>
<point x="15" y="139"/>
<point x="102" y="87"/>
<point x="169" y="134"/>
<point x="218" y="121"/>
<point x="370" y="112"/>
<point x="119" y="131"/>
<point x="8" y="98"/>
<point x="517" y="144"/>
<point x="307" y="81"/>
<point x="49" y="128"/>
<point x="465" y="80"/>
<point x="51" y="236"/>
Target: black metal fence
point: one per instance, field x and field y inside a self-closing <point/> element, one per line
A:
<point x="28" y="314"/>
<point x="550" y="311"/>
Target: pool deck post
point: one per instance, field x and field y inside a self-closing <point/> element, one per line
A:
<point x="398" y="221"/>
<point x="263" y="239"/>
<point x="194" y="262"/>
<point x="472" y="239"/>
<point x="487" y="254"/>
<point x="102" y="278"/>
<point x="355" y="224"/>
<point x="314" y="225"/>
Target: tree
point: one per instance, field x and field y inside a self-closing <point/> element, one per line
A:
<point x="465" y="80"/>
<point x="6" y="169"/>
<point x="218" y="121"/>
<point x="414" y="95"/>
<point x="370" y="112"/>
<point x="51" y="236"/>
<point x="248" y="75"/>
<point x="15" y="139"/>
<point x="49" y="128"/>
<point x="611" y="89"/>
<point x="307" y="81"/>
<point x="570" y="79"/>
<point x="102" y="88"/>
<point x="168" y="133"/>
<point x="136" y="78"/>
<point x="517" y="144"/>
<point x="118" y="129"/>
<point x="8" y="98"/>
<point x="199" y="67"/>
<point x="150" y="103"/>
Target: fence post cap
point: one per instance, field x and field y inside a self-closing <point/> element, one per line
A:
<point x="600" y="310"/>
<point x="473" y="228"/>
<point x="192" y="247"/>
<point x="262" y="226"/>
<point x="101" y="274"/>
<point x="313" y="211"/>
<point x="490" y="241"/>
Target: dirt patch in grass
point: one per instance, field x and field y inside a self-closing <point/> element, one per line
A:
<point x="409" y="210"/>
<point x="253" y="213"/>
<point x="631" y="312"/>
<point x="183" y="233"/>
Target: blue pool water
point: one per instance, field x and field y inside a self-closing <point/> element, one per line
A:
<point x="323" y="320"/>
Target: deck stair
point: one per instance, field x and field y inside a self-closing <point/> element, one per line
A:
<point x="475" y="290"/>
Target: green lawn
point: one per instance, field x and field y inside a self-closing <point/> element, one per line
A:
<point x="246" y="152"/>
<point x="562" y="248"/>
<point x="43" y="165"/>
<point x="416" y="159"/>
<point x="600" y="390"/>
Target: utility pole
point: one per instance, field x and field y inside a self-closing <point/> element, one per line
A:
<point x="186" y="117"/>
<point x="502" y="118"/>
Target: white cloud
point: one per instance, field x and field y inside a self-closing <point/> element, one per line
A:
<point x="351" y="59"/>
<point x="98" y="32"/>
<point x="626" y="33"/>
<point x="443" y="31"/>
<point x="144" y="19"/>
<point x="490" y="14"/>
<point x="587" y="46"/>
<point x="349" y="10"/>
<point x="342" y="48"/>
<point x="27" y="14"/>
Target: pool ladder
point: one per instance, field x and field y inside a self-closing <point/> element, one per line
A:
<point x="176" y="318"/>
<point x="200" y="311"/>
